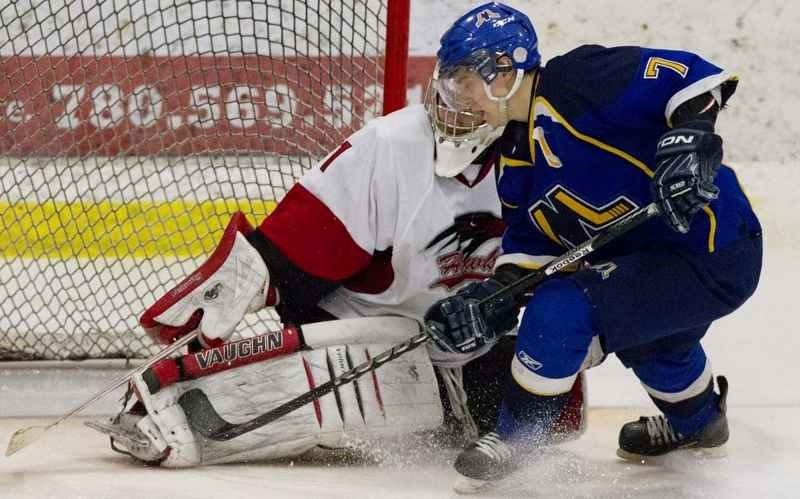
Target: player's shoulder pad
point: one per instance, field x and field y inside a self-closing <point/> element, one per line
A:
<point x="678" y="76"/>
<point x="587" y="77"/>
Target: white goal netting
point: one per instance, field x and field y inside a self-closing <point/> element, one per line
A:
<point x="130" y="130"/>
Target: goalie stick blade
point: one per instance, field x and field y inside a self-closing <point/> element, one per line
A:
<point x="23" y="438"/>
<point x="202" y="416"/>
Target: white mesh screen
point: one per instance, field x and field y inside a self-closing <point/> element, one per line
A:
<point x="130" y="130"/>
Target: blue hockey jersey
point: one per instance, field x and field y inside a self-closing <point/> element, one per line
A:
<point x="586" y="157"/>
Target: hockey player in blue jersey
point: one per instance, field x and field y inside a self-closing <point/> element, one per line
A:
<point x="589" y="138"/>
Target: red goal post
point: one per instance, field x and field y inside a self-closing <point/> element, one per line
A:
<point x="128" y="134"/>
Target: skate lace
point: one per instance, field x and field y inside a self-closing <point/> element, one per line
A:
<point x="659" y="430"/>
<point x="491" y="445"/>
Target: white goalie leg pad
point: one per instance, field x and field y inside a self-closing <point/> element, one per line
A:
<point x="167" y="427"/>
<point x="398" y="398"/>
<point x="149" y="428"/>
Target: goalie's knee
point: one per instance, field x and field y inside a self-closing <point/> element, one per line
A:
<point x="554" y="338"/>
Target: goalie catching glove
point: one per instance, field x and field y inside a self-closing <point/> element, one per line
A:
<point x="215" y="297"/>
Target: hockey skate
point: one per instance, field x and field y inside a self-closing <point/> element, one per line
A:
<point x="485" y="460"/>
<point x="654" y="436"/>
<point x="127" y="438"/>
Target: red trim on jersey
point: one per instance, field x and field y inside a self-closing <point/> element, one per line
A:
<point x="377" y="386"/>
<point x="488" y="165"/>
<point x="342" y="148"/>
<point x="376" y="277"/>
<point x="313" y="238"/>
<point x="311" y="386"/>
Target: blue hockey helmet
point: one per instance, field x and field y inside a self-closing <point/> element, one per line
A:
<point x="483" y="34"/>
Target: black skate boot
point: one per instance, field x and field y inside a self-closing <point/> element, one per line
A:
<point x="654" y="436"/>
<point x="485" y="460"/>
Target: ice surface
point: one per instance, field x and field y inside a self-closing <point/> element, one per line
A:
<point x="756" y="347"/>
<point x="762" y="462"/>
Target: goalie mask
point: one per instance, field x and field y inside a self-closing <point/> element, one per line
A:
<point x="459" y="136"/>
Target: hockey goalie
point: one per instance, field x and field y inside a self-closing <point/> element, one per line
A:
<point x="393" y="220"/>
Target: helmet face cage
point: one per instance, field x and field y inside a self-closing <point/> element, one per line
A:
<point x="460" y="136"/>
<point x="451" y="118"/>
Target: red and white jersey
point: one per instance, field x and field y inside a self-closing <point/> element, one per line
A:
<point x="375" y="217"/>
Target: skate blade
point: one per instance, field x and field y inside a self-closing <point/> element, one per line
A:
<point x="696" y="452"/>
<point x="467" y="486"/>
<point x="125" y="438"/>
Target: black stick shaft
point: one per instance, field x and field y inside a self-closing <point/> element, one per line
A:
<point x="527" y="283"/>
<point x="323" y="389"/>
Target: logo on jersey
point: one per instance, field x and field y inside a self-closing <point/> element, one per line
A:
<point x="569" y="220"/>
<point x="458" y="245"/>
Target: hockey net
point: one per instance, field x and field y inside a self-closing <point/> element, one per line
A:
<point x="130" y="131"/>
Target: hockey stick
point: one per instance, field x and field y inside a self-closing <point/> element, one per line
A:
<point x="205" y="419"/>
<point x="26" y="436"/>
<point x="527" y="283"/>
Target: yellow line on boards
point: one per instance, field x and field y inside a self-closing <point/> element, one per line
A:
<point x="114" y="229"/>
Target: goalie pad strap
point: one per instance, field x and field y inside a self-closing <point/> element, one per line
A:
<point x="223" y="357"/>
<point x="275" y="344"/>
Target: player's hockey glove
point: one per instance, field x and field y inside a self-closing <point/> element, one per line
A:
<point x="687" y="161"/>
<point x="215" y="297"/>
<point x="458" y="324"/>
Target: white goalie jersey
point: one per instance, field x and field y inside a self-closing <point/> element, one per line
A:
<point x="395" y="235"/>
<point x="375" y="224"/>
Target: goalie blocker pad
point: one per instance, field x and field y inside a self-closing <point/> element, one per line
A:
<point x="399" y="398"/>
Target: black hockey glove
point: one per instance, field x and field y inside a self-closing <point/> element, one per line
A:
<point x="687" y="161"/>
<point x="458" y="324"/>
